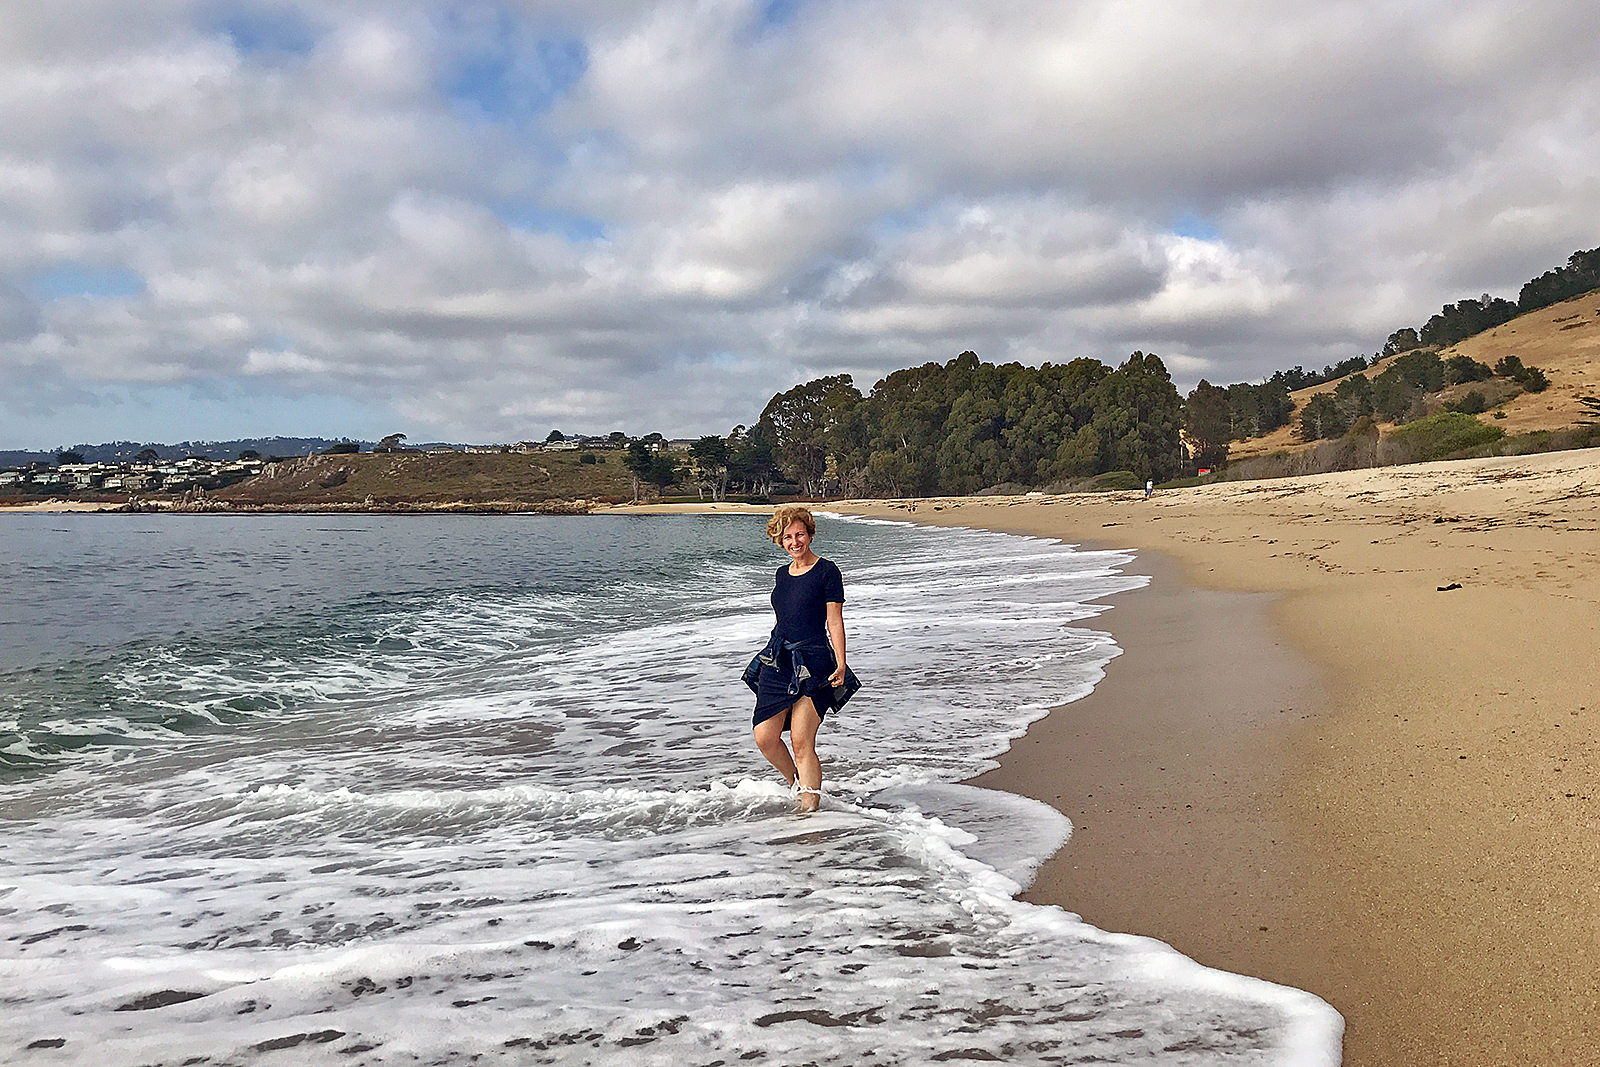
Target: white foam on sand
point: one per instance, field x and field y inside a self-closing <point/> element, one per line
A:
<point x="554" y="853"/>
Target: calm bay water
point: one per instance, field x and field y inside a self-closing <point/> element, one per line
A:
<point x="426" y="790"/>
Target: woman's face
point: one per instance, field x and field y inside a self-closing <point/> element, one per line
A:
<point x="796" y="539"/>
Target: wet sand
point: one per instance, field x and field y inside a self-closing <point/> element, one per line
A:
<point x="1177" y="759"/>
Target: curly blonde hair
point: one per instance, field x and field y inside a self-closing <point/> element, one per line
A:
<point x="784" y="516"/>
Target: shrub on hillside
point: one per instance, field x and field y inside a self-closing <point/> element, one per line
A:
<point x="1458" y="369"/>
<point x="1530" y="378"/>
<point x="1115" y="480"/>
<point x="1357" y="448"/>
<point x="1584" y="435"/>
<point x="1273" y="465"/>
<point x="1436" y="437"/>
<point x="1509" y="367"/>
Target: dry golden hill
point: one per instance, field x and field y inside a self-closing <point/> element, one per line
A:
<point x="1562" y="340"/>
<point x="512" y="480"/>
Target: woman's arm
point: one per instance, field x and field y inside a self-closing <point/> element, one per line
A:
<point x="836" y="639"/>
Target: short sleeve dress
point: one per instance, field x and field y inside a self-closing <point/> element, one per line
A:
<point x="801" y="604"/>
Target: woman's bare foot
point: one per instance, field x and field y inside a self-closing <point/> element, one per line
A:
<point x="810" y="800"/>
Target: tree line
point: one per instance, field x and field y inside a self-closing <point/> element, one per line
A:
<point x="1218" y="415"/>
<point x="966" y="425"/>
<point x="1467" y="318"/>
<point x="1396" y="395"/>
<point x="955" y="428"/>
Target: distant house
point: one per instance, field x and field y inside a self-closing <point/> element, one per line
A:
<point x="78" y="475"/>
<point x="238" y="471"/>
<point x="562" y="446"/>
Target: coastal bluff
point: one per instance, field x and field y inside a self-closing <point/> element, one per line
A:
<point x="549" y="482"/>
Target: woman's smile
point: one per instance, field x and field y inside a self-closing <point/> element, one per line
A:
<point x="797" y="541"/>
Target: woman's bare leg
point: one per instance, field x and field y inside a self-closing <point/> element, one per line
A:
<point x="803" y="725"/>
<point x="769" y="739"/>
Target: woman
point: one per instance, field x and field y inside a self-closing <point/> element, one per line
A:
<point x="802" y="674"/>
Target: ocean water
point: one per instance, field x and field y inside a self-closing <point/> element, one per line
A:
<point x="378" y="790"/>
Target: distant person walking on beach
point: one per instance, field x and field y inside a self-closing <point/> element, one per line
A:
<point x="1149" y="488"/>
<point x="802" y="674"/>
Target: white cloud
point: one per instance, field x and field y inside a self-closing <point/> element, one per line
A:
<point x="268" y="361"/>
<point x="1209" y="284"/>
<point x="447" y="217"/>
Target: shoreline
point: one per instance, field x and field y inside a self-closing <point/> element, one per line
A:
<point x="1416" y="761"/>
<point x="1168" y="799"/>
<point x="1170" y="796"/>
<point x="1428" y="812"/>
<point x="1180" y="832"/>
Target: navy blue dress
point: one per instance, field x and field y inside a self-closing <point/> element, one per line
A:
<point x="801" y="605"/>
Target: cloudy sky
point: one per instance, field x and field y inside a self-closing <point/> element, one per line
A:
<point x="481" y="221"/>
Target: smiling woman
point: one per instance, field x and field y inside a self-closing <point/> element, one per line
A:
<point x="803" y="674"/>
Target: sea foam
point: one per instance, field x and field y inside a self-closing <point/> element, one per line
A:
<point x="524" y="823"/>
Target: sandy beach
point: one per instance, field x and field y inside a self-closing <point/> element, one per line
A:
<point x="56" y="506"/>
<point x="1351" y="746"/>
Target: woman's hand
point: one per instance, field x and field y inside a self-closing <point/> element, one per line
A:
<point x="836" y="679"/>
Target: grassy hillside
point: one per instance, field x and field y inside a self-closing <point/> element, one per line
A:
<point x="435" y="479"/>
<point x="1562" y="340"/>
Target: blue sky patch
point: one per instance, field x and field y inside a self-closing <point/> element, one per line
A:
<point x="894" y="224"/>
<point x="255" y="31"/>
<point x="505" y="71"/>
<point x="777" y="13"/>
<point x="536" y="218"/>
<point x="71" y="279"/>
<point x="1189" y="224"/>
